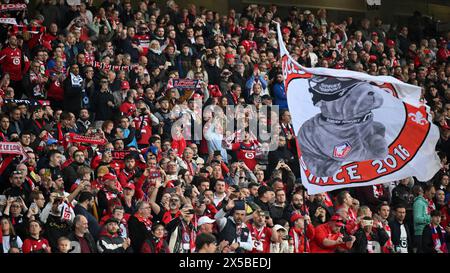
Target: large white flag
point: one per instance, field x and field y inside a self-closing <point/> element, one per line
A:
<point x="354" y="129"/>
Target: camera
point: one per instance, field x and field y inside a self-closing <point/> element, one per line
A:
<point x="191" y="211"/>
<point x="346" y="238"/>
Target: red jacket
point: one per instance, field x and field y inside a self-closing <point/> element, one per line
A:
<point x="323" y="232"/>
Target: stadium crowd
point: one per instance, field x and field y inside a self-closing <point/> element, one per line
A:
<point x="99" y="154"/>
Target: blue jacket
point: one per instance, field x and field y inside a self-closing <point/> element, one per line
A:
<point x="280" y="96"/>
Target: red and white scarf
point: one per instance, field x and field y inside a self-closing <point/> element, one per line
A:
<point x="75" y="138"/>
<point x="299" y="240"/>
<point x="13" y="148"/>
<point x="438" y="241"/>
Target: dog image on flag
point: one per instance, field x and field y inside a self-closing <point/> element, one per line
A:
<point x="345" y="129"/>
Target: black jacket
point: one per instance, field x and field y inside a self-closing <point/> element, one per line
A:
<point x="213" y="74"/>
<point x="138" y="233"/>
<point x="395" y="235"/>
<point x="100" y="105"/>
<point x="427" y="240"/>
<point x="73" y="96"/>
<point x="155" y="59"/>
<point x="76" y="244"/>
<point x="108" y="243"/>
<point x="360" y="245"/>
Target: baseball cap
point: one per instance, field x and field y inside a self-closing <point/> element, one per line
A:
<point x="125" y="85"/>
<point x="390" y="42"/>
<point x="286" y="30"/>
<point x="109" y="176"/>
<point x="338" y="220"/>
<point x="205" y="220"/>
<point x="51" y="141"/>
<point x="129" y="186"/>
<point x="56" y="177"/>
<point x="295" y="217"/>
<point x="229" y="56"/>
<point x="278" y="227"/>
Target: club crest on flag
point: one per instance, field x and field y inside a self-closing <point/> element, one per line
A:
<point x="341" y="151"/>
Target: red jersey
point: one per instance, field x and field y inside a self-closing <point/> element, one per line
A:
<point x="143" y="41"/>
<point x="261" y="238"/>
<point x="246" y="153"/>
<point x="32" y="245"/>
<point x="323" y="232"/>
<point x="55" y="90"/>
<point x="11" y="61"/>
<point x="144" y="125"/>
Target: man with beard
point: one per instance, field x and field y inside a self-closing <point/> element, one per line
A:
<point x="85" y="203"/>
<point x="70" y="172"/>
<point x="130" y="172"/>
<point x="233" y="228"/>
<point x="261" y="231"/>
<point x="83" y="123"/>
<point x="162" y="213"/>
<point x="110" y="240"/>
<point x="296" y="206"/>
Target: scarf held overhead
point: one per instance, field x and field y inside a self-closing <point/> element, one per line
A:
<point x="13" y="148"/>
<point x="75" y="138"/>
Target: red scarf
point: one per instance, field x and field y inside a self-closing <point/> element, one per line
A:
<point x="167" y="217"/>
<point x="75" y="138"/>
<point x="190" y="167"/>
<point x="299" y="240"/>
<point x="431" y="205"/>
<point x="146" y="221"/>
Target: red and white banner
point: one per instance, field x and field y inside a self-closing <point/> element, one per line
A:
<point x="8" y="21"/>
<point x="13" y="148"/>
<point x="354" y="129"/>
<point x="12" y="7"/>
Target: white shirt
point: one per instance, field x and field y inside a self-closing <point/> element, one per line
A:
<point x="403" y="248"/>
<point x="218" y="199"/>
<point x="6" y="244"/>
